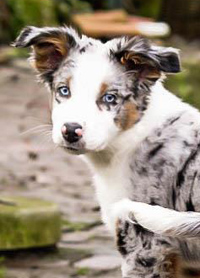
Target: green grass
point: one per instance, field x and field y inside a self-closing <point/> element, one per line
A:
<point x="2" y="272"/>
<point x="2" y="268"/>
<point x="78" y="226"/>
<point x="187" y="83"/>
<point x="81" y="271"/>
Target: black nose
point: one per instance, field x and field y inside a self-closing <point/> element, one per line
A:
<point x="72" y="132"/>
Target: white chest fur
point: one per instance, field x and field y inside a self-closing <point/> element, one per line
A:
<point x="112" y="184"/>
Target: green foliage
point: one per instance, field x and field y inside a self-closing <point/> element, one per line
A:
<point x="30" y="12"/>
<point x="19" y="13"/>
<point x="65" y="8"/>
<point x="77" y="6"/>
<point x="148" y="8"/>
<point x="186" y="84"/>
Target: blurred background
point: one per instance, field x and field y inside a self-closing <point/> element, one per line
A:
<point x="49" y="218"/>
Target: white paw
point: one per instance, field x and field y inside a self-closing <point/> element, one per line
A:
<point x="121" y="210"/>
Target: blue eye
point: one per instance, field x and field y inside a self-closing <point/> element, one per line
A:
<point x="109" y="98"/>
<point x="64" y="91"/>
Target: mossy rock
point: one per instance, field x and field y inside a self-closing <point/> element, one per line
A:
<point x="28" y="223"/>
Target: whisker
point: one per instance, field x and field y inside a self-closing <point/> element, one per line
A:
<point x="43" y="142"/>
<point x="38" y="120"/>
<point x="37" y="129"/>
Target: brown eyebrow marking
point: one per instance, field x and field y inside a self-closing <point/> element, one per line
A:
<point x="68" y="81"/>
<point x="103" y="88"/>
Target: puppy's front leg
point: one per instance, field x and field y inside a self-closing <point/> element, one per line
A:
<point x="157" y="219"/>
<point x="145" y="254"/>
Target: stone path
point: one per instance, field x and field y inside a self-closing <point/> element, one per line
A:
<point x="30" y="165"/>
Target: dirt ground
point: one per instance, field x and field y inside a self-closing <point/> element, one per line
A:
<point x="30" y="165"/>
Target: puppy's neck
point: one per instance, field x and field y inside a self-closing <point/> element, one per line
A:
<point x="101" y="159"/>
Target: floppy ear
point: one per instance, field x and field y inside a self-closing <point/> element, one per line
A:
<point x="50" y="46"/>
<point x="147" y="61"/>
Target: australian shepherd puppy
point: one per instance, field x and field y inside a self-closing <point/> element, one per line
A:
<point x="142" y="142"/>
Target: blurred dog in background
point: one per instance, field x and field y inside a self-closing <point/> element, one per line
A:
<point x="142" y="142"/>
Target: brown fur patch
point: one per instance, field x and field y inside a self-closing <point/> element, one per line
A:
<point x="190" y="269"/>
<point x="68" y="81"/>
<point x="127" y="116"/>
<point x="49" y="52"/>
<point x="171" y="266"/>
<point x="103" y="89"/>
<point x="145" y="66"/>
<point x="137" y="59"/>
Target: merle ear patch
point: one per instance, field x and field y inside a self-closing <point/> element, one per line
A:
<point x="142" y="65"/>
<point x="50" y="46"/>
<point x="139" y="55"/>
<point x="22" y="40"/>
<point x="169" y="60"/>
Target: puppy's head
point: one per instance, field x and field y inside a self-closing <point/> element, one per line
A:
<point x="98" y="90"/>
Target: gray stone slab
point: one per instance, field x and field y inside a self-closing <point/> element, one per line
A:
<point x="100" y="263"/>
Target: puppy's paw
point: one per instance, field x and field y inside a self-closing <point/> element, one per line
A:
<point x="122" y="211"/>
<point x="134" y="212"/>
